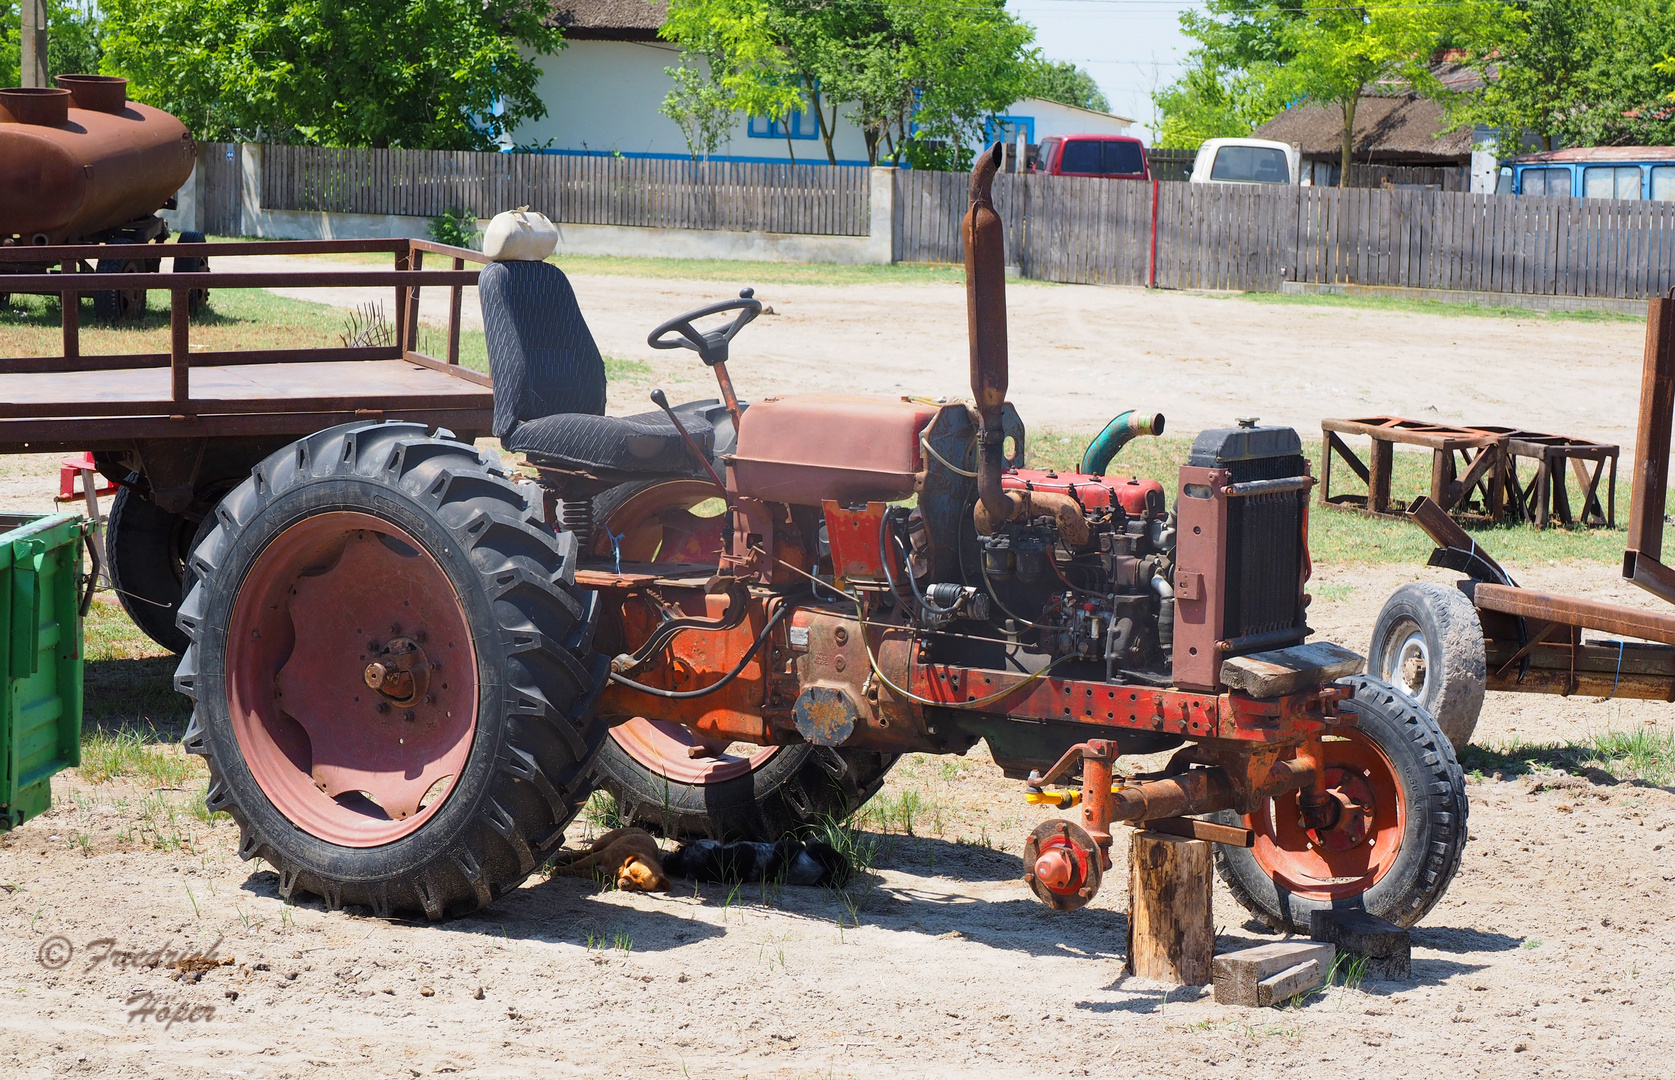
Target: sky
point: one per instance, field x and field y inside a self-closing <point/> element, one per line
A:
<point x="1130" y="47"/>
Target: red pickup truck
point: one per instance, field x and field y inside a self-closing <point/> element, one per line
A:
<point x="1119" y="157"/>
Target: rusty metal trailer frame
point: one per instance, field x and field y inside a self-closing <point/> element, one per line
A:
<point x="111" y="425"/>
<point x="1533" y="640"/>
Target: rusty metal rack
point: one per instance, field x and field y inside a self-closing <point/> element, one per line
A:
<point x="1474" y="471"/>
<point x="105" y="402"/>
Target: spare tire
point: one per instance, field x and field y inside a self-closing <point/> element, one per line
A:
<point x="392" y="672"/>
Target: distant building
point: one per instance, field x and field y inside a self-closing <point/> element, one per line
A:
<point x="604" y="89"/>
<point x="1395" y="128"/>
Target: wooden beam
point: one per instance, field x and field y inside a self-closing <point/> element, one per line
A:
<point x="1171" y="934"/>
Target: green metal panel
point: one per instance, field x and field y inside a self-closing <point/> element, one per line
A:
<point x="40" y="658"/>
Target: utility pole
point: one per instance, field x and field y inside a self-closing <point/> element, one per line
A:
<point x="34" y="43"/>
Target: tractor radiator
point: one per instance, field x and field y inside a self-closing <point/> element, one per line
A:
<point x="1242" y="550"/>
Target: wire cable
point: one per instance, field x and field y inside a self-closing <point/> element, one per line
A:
<point x="657" y="691"/>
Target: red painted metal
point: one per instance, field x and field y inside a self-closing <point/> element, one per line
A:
<point x="1092" y="492"/>
<point x="1201" y="554"/>
<point x="853" y="538"/>
<point x="1350" y="857"/>
<point x="336" y="757"/>
<point x="1065" y="864"/>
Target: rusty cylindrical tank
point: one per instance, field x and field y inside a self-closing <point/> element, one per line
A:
<point x="80" y="159"/>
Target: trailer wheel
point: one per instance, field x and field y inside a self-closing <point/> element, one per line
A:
<point x="663" y="777"/>
<point x="1398" y="841"/>
<point x="120" y="305"/>
<point x="148" y="547"/>
<point x="196" y="299"/>
<point x="392" y="672"/>
<point x="1428" y="644"/>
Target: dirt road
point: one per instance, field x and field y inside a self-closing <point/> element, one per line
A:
<point x="1552" y="955"/>
<point x="1081" y="354"/>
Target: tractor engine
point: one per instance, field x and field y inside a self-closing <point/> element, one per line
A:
<point x="1109" y="597"/>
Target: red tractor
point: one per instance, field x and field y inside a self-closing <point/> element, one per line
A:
<point x="409" y="669"/>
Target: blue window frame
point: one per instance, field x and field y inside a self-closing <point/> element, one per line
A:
<point x="801" y="124"/>
<point x="1005" y="129"/>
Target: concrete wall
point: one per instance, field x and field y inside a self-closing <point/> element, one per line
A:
<point x="622" y="240"/>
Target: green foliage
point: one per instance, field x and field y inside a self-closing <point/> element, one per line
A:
<point x="413" y="73"/>
<point x="1254" y="56"/>
<point x="1063" y="81"/>
<point x="1567" y="76"/>
<point x="74" y="30"/>
<point x="904" y="71"/>
<point x="699" y="105"/>
<point x="455" y="227"/>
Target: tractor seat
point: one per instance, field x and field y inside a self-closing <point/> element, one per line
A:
<point x="549" y="383"/>
<point x="643" y="443"/>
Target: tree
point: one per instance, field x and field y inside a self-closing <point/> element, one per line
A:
<point x="1064" y="82"/>
<point x="438" y="74"/>
<point x="1564" y="76"/>
<point x="915" y="75"/>
<point x="1210" y="102"/>
<point x="73" y="39"/>
<point x="1254" y="54"/>
<point x="699" y="105"/>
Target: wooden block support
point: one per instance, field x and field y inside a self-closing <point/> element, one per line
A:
<point x="1171" y="935"/>
<point x="1269" y="974"/>
<point x="1388" y="948"/>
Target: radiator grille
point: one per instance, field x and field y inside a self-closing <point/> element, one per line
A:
<point x="1264" y="557"/>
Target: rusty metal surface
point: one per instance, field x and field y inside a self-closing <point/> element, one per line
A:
<point x="1200" y="560"/>
<point x="89" y="171"/>
<point x="852" y="536"/>
<point x="106" y="402"/>
<point x="1651" y="443"/>
<point x="1064" y="865"/>
<point x="804" y="449"/>
<point x="1591" y="614"/>
<point x="984" y="236"/>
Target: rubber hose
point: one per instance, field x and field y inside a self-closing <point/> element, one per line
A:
<point x="1117" y="434"/>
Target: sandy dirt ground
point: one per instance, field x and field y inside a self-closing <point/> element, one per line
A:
<point x="1553" y="954"/>
<point x="1082" y="354"/>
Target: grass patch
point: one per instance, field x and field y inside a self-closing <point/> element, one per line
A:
<point x="132" y="717"/>
<point x="1402" y="305"/>
<point x="1345" y="536"/>
<point x="1645" y="754"/>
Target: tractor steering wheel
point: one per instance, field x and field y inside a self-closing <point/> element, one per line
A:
<point x="711" y="347"/>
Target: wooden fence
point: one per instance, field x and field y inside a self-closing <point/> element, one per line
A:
<point x="219" y="188"/>
<point x="1091" y="231"/>
<point x="809" y="199"/>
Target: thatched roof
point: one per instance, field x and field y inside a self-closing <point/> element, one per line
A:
<point x="611" y="20"/>
<point x="1393" y="125"/>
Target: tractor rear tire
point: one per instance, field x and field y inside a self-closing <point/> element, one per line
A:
<point x="784" y="791"/>
<point x="1397" y="867"/>
<point x="148" y="547"/>
<point x="120" y="305"/>
<point x="649" y="766"/>
<point x="1428" y="644"/>
<point x="434" y="794"/>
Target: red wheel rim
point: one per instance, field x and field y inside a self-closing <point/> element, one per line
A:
<point x="658" y="524"/>
<point x="345" y="762"/>
<point x="1351" y="857"/>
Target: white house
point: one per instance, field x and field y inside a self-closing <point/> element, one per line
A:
<point x="604" y="89"/>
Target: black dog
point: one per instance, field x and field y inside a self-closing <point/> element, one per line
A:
<point x="791" y="862"/>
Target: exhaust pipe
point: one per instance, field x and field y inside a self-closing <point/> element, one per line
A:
<point x="985" y="306"/>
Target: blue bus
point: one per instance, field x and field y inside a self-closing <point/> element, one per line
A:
<point x="1593" y="172"/>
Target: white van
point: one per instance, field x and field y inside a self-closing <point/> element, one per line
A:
<point x="1245" y="161"/>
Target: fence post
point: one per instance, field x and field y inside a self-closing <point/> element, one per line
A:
<point x="250" y="189"/>
<point x="1151" y="257"/>
<point x="881" y="215"/>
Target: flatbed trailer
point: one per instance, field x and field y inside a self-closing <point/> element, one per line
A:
<point x="1444" y="646"/>
<point x="177" y="429"/>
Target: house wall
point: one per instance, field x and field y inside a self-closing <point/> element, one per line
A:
<point x="603" y="97"/>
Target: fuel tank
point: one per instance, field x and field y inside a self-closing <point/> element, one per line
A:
<point x="807" y="448"/>
<point x="80" y="158"/>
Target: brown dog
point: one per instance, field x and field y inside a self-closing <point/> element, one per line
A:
<point x="628" y="856"/>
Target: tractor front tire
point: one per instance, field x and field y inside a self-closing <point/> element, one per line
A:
<point x="392" y="672"/>
<point x="1396" y="859"/>
<point x="1428" y="644"/>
